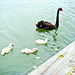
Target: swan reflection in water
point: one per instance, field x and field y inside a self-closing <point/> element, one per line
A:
<point x="52" y="33"/>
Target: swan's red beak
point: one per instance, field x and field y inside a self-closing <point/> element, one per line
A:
<point x="62" y="9"/>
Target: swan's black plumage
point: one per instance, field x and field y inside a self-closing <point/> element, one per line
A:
<point x="47" y="25"/>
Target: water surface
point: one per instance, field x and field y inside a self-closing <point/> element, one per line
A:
<point x="17" y="25"/>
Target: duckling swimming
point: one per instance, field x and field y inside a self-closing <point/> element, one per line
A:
<point x="28" y="51"/>
<point x="42" y="41"/>
<point x="7" y="49"/>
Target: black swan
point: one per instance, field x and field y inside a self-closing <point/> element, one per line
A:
<point x="47" y="25"/>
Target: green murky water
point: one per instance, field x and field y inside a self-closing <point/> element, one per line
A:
<point x="17" y="25"/>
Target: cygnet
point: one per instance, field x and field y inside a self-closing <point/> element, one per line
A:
<point x="7" y="49"/>
<point x="42" y="41"/>
<point x="28" y="51"/>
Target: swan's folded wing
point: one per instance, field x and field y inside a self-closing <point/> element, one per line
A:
<point x="39" y="41"/>
<point x="4" y="49"/>
<point x="7" y="49"/>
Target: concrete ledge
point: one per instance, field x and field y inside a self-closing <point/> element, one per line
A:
<point x="58" y="65"/>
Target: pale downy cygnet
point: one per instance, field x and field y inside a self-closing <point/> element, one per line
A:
<point x="28" y="51"/>
<point x="7" y="49"/>
<point x="42" y="41"/>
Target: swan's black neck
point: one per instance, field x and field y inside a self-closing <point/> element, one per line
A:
<point x="57" y="19"/>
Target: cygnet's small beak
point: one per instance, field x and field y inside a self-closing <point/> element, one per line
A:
<point x="13" y="45"/>
<point x="24" y="53"/>
<point x="48" y="40"/>
<point x="36" y="50"/>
